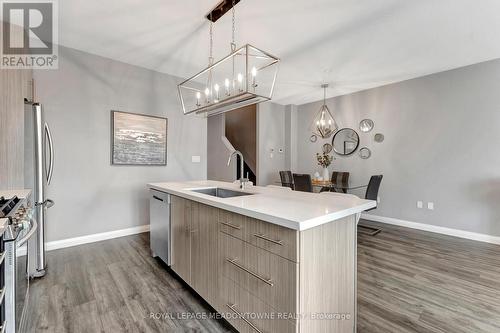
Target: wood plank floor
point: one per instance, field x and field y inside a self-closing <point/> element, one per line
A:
<point x="408" y="281"/>
<point x="417" y="281"/>
<point x="114" y="286"/>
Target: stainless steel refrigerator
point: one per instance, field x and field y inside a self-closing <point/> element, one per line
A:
<point x="38" y="169"/>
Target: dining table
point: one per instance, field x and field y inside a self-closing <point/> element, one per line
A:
<point x="338" y="186"/>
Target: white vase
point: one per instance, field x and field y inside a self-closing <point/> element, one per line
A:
<point x="326" y="176"/>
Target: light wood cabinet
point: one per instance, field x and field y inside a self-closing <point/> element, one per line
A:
<point x="180" y="219"/>
<point x="204" y="251"/>
<point x="271" y="237"/>
<point x="267" y="278"/>
<point x="194" y="251"/>
<point x="13" y="89"/>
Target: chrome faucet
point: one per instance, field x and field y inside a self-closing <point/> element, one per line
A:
<point x="242" y="179"/>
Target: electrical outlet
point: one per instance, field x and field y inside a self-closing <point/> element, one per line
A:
<point x="430" y="205"/>
<point x="420" y="204"/>
<point x="195" y="159"/>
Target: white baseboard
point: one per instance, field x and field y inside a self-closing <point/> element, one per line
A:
<point x="68" y="242"/>
<point x="433" y="228"/>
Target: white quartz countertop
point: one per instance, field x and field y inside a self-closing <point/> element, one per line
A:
<point x="291" y="209"/>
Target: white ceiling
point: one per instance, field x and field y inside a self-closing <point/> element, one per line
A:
<point x="351" y="44"/>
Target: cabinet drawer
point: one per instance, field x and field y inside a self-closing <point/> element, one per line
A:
<point x="273" y="238"/>
<point x="270" y="277"/>
<point x="250" y="314"/>
<point x="232" y="224"/>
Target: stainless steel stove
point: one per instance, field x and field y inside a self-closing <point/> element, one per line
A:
<point x="17" y="225"/>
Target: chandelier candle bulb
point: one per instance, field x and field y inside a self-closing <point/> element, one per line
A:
<point x="198" y="96"/>
<point x="226" y="84"/>
<point x="254" y="74"/>
<point x="207" y="94"/>
<point x="216" y="87"/>
<point x="240" y="81"/>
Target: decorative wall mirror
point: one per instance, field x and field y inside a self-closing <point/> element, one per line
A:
<point x="366" y="125"/>
<point x="379" y="137"/>
<point x="313" y="138"/>
<point x="365" y="153"/>
<point x="327" y="148"/>
<point x="345" y="141"/>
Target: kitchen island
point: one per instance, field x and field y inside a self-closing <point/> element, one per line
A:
<point x="268" y="259"/>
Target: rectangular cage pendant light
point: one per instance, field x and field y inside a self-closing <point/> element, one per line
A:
<point x="244" y="77"/>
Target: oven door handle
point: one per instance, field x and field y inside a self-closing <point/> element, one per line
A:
<point x="33" y="228"/>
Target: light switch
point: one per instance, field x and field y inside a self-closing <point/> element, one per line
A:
<point x="420" y="204"/>
<point x="430" y="205"/>
<point x="195" y="159"/>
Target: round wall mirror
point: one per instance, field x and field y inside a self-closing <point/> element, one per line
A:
<point x="313" y="138"/>
<point x="345" y="141"/>
<point x="365" y="153"/>
<point x="366" y="125"/>
<point x="379" y="137"/>
<point x="327" y="148"/>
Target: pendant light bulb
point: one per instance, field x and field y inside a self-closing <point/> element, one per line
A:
<point x="216" y="88"/>
<point x="207" y="94"/>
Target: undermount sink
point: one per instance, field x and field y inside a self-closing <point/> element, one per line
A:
<point x="220" y="192"/>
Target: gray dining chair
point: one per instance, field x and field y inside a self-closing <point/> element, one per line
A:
<point x="371" y="194"/>
<point x="302" y="182"/>
<point x="340" y="178"/>
<point x="287" y="179"/>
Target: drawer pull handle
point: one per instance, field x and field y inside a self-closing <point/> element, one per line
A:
<point x="158" y="198"/>
<point x="233" y="308"/>
<point x="264" y="237"/>
<point x="235" y="263"/>
<point x="234" y="226"/>
<point x="2" y="257"/>
<point x="2" y="328"/>
<point x="2" y="294"/>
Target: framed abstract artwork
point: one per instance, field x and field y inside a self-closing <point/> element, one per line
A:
<point x="138" y="139"/>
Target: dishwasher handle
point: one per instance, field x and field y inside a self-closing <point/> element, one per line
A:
<point x="157" y="198"/>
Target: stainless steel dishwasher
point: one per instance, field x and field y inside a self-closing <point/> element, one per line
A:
<point x="159" y="220"/>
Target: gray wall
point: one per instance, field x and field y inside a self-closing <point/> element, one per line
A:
<point x="91" y="195"/>
<point x="217" y="151"/>
<point x="291" y="139"/>
<point x="270" y="135"/>
<point x="441" y="145"/>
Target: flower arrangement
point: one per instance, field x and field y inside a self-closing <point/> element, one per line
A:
<point x="324" y="159"/>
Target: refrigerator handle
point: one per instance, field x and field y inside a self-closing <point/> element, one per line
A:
<point x="51" y="153"/>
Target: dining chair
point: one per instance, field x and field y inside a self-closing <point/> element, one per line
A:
<point x="302" y="182"/>
<point x="280" y="187"/>
<point x="286" y="179"/>
<point x="372" y="194"/>
<point x="338" y="177"/>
